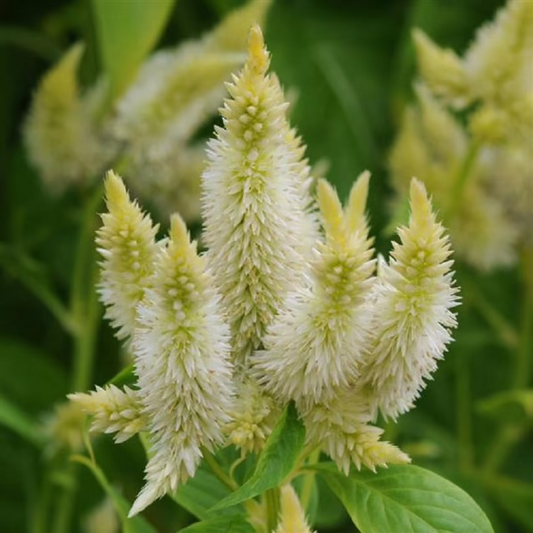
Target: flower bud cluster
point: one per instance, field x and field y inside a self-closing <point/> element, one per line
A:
<point x="278" y="309"/>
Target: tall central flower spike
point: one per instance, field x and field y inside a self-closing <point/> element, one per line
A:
<point x="182" y="364"/>
<point x="412" y="317"/>
<point x="257" y="223"/>
<point x="316" y="344"/>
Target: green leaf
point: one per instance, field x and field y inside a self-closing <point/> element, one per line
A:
<point x="405" y="498"/>
<point x="136" y="524"/>
<point x="226" y="524"/>
<point x="278" y="458"/>
<point x="125" y="377"/>
<point x="127" y="31"/>
<point x="19" y="422"/>
<point x="201" y="493"/>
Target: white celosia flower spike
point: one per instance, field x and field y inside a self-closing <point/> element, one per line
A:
<point x="59" y="132"/>
<point x="127" y="244"/>
<point x="412" y="316"/>
<point x="254" y="213"/>
<point x="316" y="344"/>
<point x="292" y="517"/>
<point x="182" y="362"/>
<point x="341" y="428"/>
<point x="442" y="71"/>
<point x="113" y="410"/>
<point x="499" y="62"/>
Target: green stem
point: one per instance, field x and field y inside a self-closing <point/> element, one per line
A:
<point x="464" y="173"/>
<point x="509" y="433"/>
<point x="219" y="472"/>
<point x="85" y="309"/>
<point x="505" y="331"/>
<point x="272" y="508"/>
<point x="309" y="481"/>
<point x="525" y="348"/>
<point x="464" y="416"/>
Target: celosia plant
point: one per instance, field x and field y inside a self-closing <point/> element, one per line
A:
<point x="479" y="175"/>
<point x="280" y="340"/>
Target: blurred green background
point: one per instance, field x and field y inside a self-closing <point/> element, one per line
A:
<point x="351" y="64"/>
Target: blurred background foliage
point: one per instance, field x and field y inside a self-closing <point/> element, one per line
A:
<point x="351" y="65"/>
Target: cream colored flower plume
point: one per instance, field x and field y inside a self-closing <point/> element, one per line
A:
<point x="113" y="410"/>
<point x="176" y="91"/>
<point x="254" y="211"/>
<point x="182" y="364"/>
<point x="315" y="345"/>
<point x="126" y="241"/>
<point x="60" y="131"/>
<point x="341" y="428"/>
<point x="412" y="315"/>
<point x="291" y="517"/>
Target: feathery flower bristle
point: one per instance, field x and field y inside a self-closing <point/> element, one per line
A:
<point x="412" y="317"/>
<point x="127" y="244"/>
<point x="341" y="428"/>
<point x="255" y="211"/>
<point x="292" y="516"/>
<point x="182" y="364"/>
<point x="316" y="343"/>
<point x="113" y="410"/>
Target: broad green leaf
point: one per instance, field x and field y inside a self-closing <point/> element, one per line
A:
<point x="127" y="31"/>
<point x="405" y="498"/>
<point x="277" y="460"/>
<point x="201" y="493"/>
<point x="136" y="524"/>
<point x="19" y="422"/>
<point x="225" y="524"/>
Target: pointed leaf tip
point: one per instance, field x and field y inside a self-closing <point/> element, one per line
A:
<point x="258" y="55"/>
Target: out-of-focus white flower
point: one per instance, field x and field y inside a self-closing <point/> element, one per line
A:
<point x="113" y="410"/>
<point x="63" y="428"/>
<point x="127" y="244"/>
<point x="442" y="71"/>
<point x="255" y="221"/>
<point x="61" y="133"/>
<point x="412" y="316"/>
<point x="508" y="175"/>
<point x="498" y="63"/>
<point x="315" y="345"/>
<point x="102" y="519"/>
<point x="175" y="92"/>
<point x="182" y="364"/>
